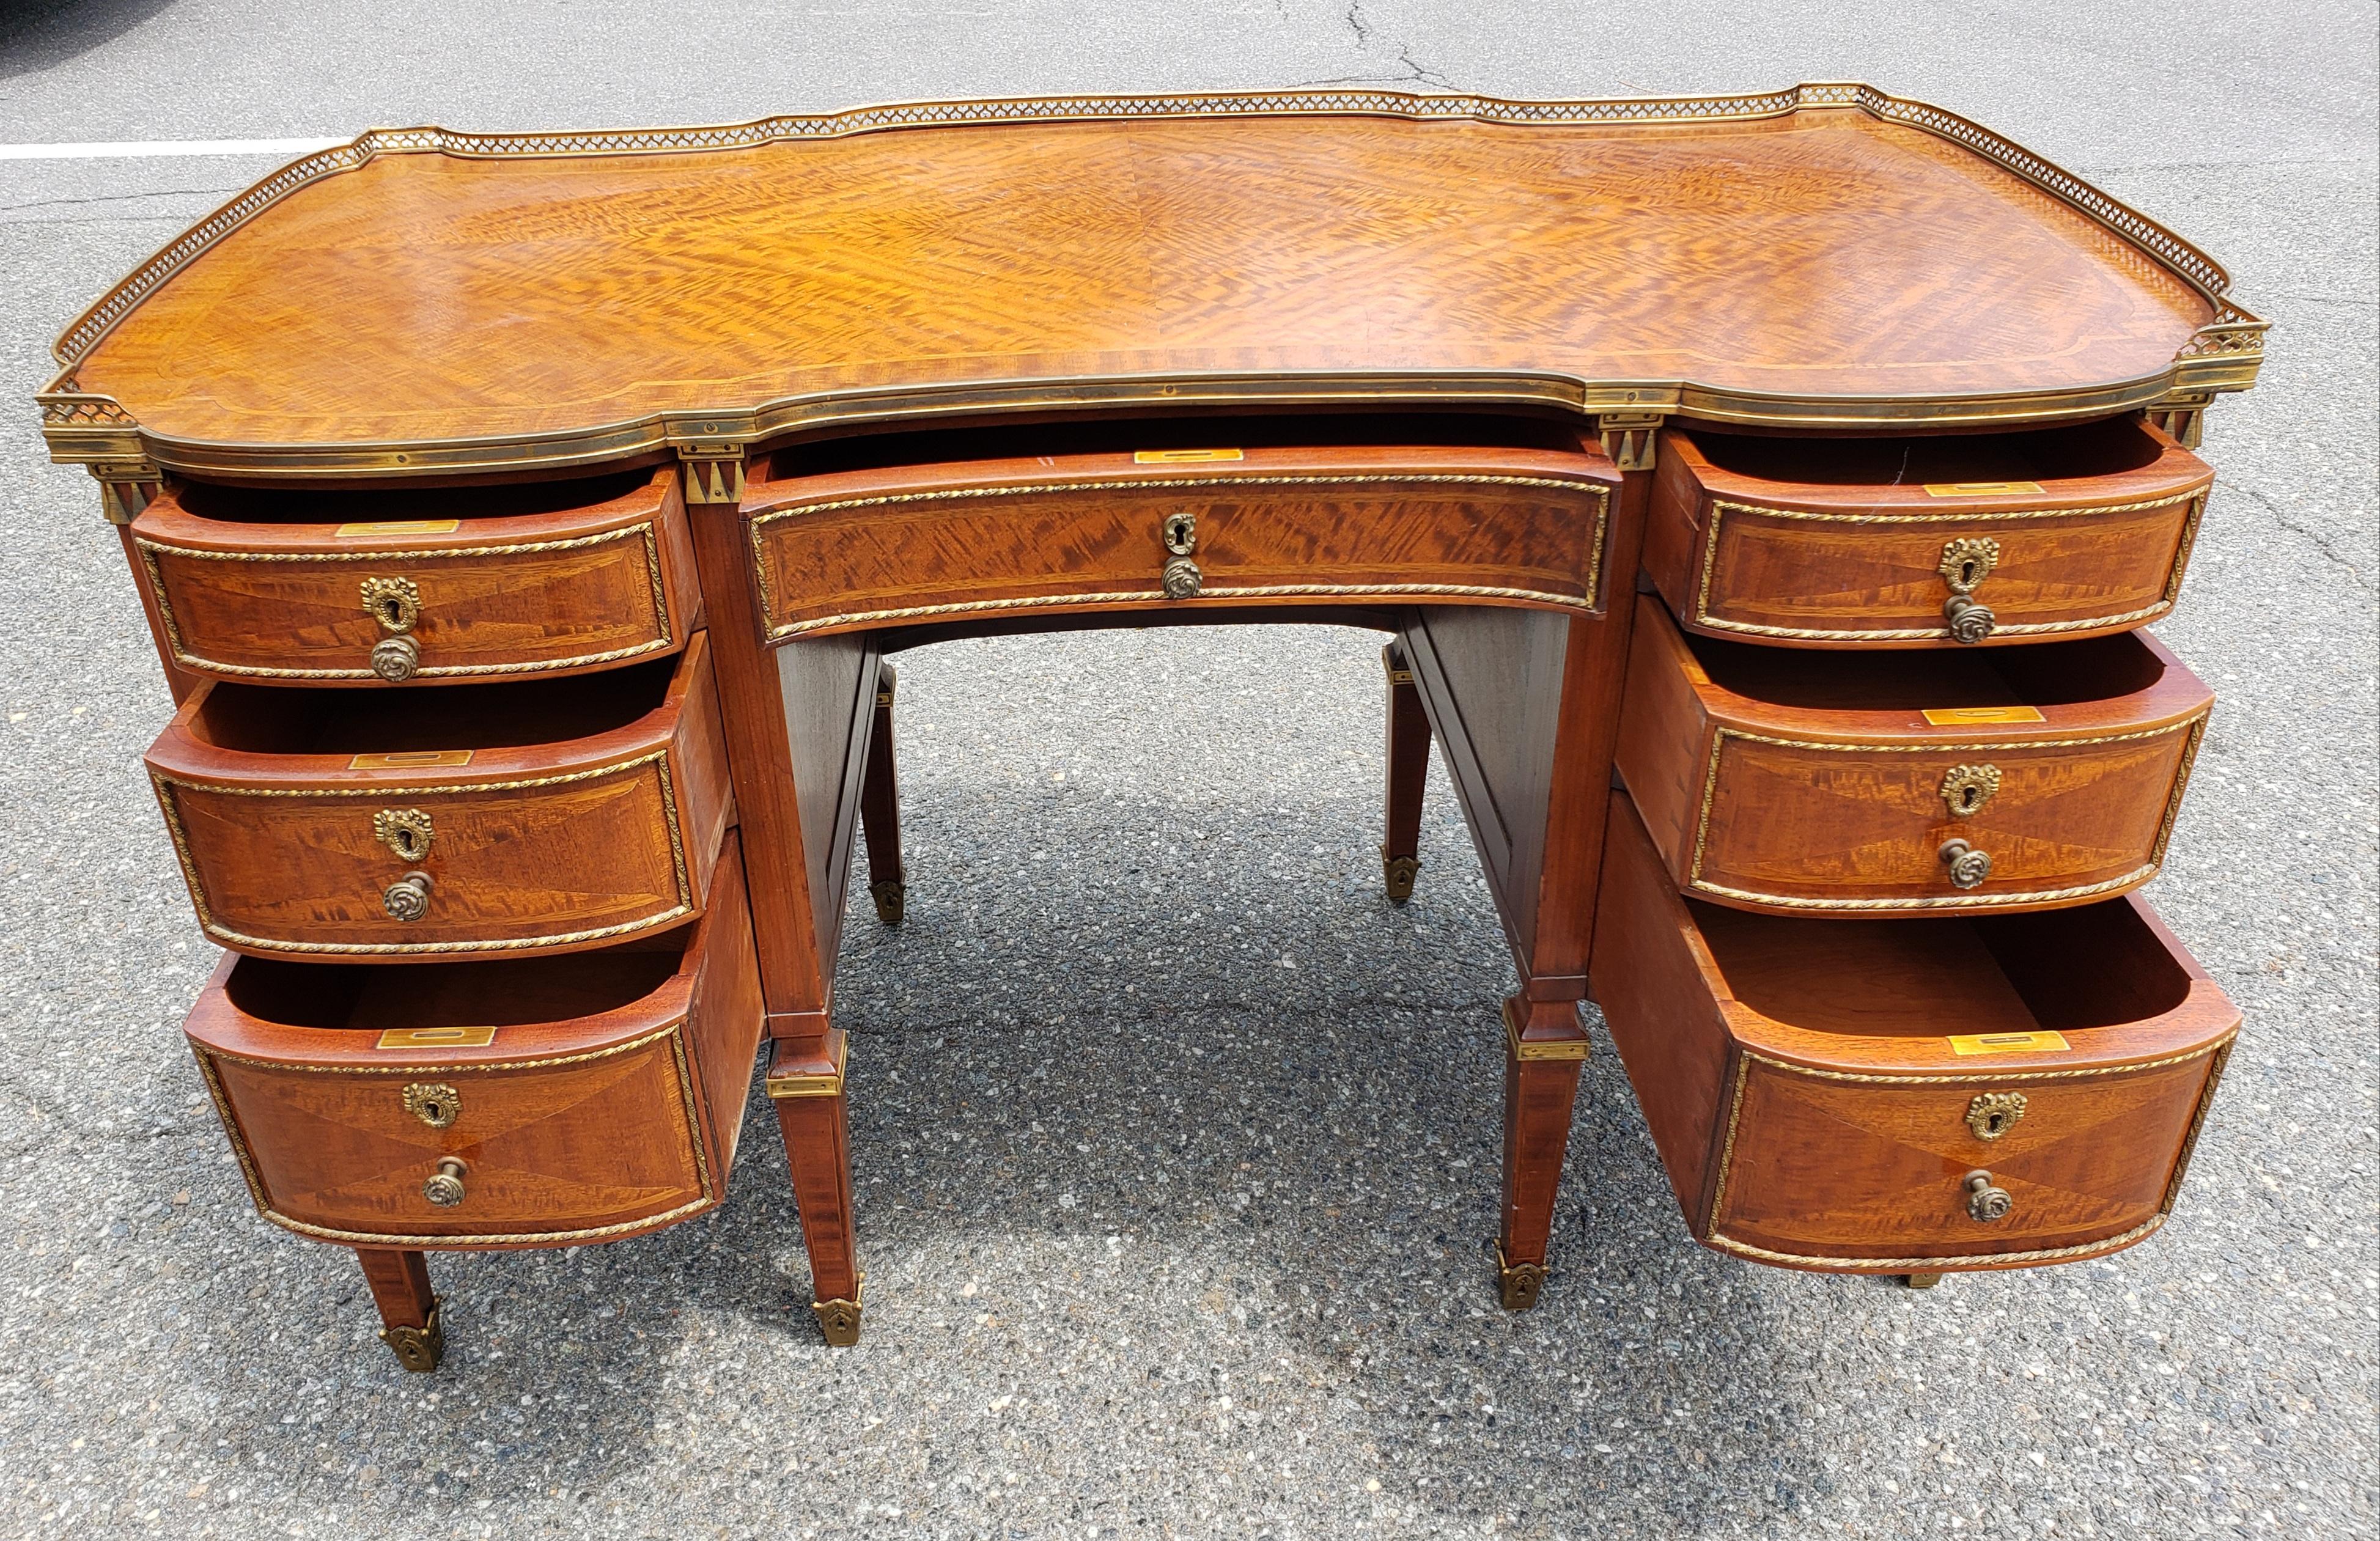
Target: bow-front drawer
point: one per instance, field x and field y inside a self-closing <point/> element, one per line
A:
<point x="543" y="815"/>
<point x="311" y="587"/>
<point x="1893" y="1098"/>
<point x="1923" y="542"/>
<point x="523" y="1102"/>
<point x="1518" y="514"/>
<point x="1907" y="783"/>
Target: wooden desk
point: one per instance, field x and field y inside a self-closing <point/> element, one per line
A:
<point x="1760" y="497"/>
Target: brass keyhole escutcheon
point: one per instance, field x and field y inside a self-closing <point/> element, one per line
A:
<point x="394" y="603"/>
<point x="1180" y="532"/>
<point x="1985" y="1201"/>
<point x="1966" y="788"/>
<point x="433" y="1102"/>
<point x="1968" y="866"/>
<point x="406" y="832"/>
<point x="1994" y="1113"/>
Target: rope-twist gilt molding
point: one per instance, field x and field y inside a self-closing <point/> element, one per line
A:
<point x="2233" y="331"/>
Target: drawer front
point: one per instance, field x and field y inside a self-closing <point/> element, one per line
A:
<point x="1820" y="1168"/>
<point x="569" y="859"/>
<point x="569" y="1147"/>
<point x="454" y="612"/>
<point x="962" y="551"/>
<point x="1809" y="825"/>
<point x="1801" y="577"/>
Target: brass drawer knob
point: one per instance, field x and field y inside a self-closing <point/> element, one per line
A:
<point x="1180" y="534"/>
<point x="1968" y="866"/>
<point x="1970" y="619"/>
<point x="446" y="1188"/>
<point x="395" y="658"/>
<point x="408" y="898"/>
<point x="1986" y="1202"/>
<point x="1181" y="579"/>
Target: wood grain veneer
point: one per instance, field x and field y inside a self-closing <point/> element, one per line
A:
<point x="607" y="1103"/>
<point x="1771" y="784"/>
<point x="564" y="813"/>
<point x="1811" y="1106"/>
<point x="424" y="302"/>
<point x="1830" y="543"/>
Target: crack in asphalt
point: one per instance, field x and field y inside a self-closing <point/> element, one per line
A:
<point x="2311" y="537"/>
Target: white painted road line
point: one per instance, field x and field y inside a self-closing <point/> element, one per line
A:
<point x="132" y="149"/>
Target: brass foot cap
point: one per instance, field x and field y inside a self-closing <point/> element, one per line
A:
<point x="1398" y="873"/>
<point x="419" y="1349"/>
<point x="1921" y="1280"/>
<point x="891" y="900"/>
<point x="839" y="1320"/>
<point x="1520" y="1283"/>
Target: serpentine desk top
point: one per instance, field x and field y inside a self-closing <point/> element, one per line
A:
<point x="424" y="302"/>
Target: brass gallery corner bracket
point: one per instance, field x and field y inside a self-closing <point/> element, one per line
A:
<point x="87" y="427"/>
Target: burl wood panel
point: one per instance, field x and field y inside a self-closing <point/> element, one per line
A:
<point x="542" y="593"/>
<point x="1804" y="1083"/>
<point x="1272" y="525"/>
<point x="1841" y="542"/>
<point x="1819" y="255"/>
<point x="571" y="1129"/>
<point x="535" y="845"/>
<point x="1769" y="785"/>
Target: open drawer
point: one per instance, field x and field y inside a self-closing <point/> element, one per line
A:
<point x="1960" y="1093"/>
<point x="1129" y="516"/>
<point x="1907" y="783"/>
<point x="1932" y="542"/>
<point x="526" y="1102"/>
<point x="331" y="587"/>
<point x="544" y="815"/>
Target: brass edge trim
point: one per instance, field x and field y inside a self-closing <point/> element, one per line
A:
<point x="2181" y="784"/>
<point x="2134" y="878"/>
<point x="452" y="1067"/>
<point x="1903" y="1264"/>
<point x="152" y="550"/>
<point x="2197" y="1121"/>
<point x="1720" y="734"/>
<point x="160" y="782"/>
<point x="2221" y="356"/>
<point x="697" y="1138"/>
<point x="1721" y="507"/>
<point x="1301" y="590"/>
<point x="2183" y="547"/>
<point x="2084" y="1072"/>
<point x="754" y="525"/>
<point x="784" y="1087"/>
<point x="2177" y="256"/>
<point x="687" y="1090"/>
<point x="230" y="1125"/>
<point x="1726" y="1151"/>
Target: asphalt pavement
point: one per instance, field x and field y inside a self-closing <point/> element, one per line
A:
<point x="1175" y="1146"/>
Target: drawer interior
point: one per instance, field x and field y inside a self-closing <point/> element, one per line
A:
<point x="2085" y="451"/>
<point x="317" y="505"/>
<point x="1124" y="436"/>
<point x="507" y="993"/>
<point x="2096" y="966"/>
<point x="256" y="719"/>
<point x="2048" y="673"/>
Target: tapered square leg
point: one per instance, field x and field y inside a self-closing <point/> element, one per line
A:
<point x="1408" y="773"/>
<point x="1545" y="1049"/>
<point x="805" y="1082"/>
<point x="409" y="1308"/>
<point x="880" y="809"/>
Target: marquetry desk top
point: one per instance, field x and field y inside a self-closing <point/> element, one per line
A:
<point x="422" y="301"/>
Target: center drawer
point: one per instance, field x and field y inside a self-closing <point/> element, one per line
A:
<point x="539" y="816"/>
<point x="1907" y="1098"/>
<point x="1907" y="783"/>
<point x="1516" y="515"/>
<point x="520" y="1103"/>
